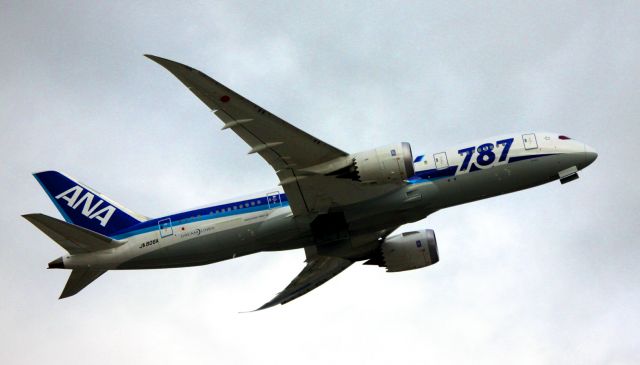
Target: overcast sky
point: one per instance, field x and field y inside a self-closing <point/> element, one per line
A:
<point x="545" y="276"/>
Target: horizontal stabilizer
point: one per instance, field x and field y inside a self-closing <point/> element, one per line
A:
<point x="72" y="238"/>
<point x="78" y="280"/>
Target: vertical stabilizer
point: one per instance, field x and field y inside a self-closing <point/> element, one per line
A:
<point x="85" y="207"/>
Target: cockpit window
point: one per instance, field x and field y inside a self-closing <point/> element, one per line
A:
<point x="563" y="137"/>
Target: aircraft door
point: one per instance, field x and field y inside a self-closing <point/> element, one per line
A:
<point x="529" y="141"/>
<point x="273" y="199"/>
<point x="165" y="228"/>
<point x="440" y="160"/>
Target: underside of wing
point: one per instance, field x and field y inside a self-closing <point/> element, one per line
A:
<point x="316" y="176"/>
<point x="286" y="148"/>
<point x="318" y="271"/>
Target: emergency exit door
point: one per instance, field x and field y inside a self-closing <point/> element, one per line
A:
<point x="440" y="159"/>
<point x="165" y="228"/>
<point x="529" y="141"/>
<point x="273" y="200"/>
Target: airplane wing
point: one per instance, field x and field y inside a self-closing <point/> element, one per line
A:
<point x="318" y="271"/>
<point x="286" y="148"/>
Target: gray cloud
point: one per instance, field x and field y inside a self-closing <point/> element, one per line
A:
<point x="548" y="275"/>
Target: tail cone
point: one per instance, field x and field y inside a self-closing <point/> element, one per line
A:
<point x="56" y="264"/>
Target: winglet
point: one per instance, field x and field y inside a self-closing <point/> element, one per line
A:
<point x="159" y="60"/>
<point x="168" y="64"/>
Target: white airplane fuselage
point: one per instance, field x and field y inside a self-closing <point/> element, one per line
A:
<point x="264" y="221"/>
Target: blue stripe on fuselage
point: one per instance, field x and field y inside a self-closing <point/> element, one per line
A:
<point x="206" y="213"/>
<point x="527" y="157"/>
<point x="435" y="174"/>
<point x="261" y="204"/>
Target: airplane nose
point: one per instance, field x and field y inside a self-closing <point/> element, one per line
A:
<point x="590" y="155"/>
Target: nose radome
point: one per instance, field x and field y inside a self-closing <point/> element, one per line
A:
<point x="590" y="155"/>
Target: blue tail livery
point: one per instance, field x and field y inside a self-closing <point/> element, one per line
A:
<point x="85" y="207"/>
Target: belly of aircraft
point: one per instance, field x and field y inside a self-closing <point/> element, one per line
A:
<point x="409" y="203"/>
<point x="200" y="248"/>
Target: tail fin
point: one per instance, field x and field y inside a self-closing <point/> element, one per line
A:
<point x="85" y="207"/>
<point x="76" y="240"/>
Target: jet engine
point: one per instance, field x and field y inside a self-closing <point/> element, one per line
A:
<point x="388" y="164"/>
<point x="407" y="251"/>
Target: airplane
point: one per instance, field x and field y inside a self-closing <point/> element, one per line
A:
<point x="340" y="207"/>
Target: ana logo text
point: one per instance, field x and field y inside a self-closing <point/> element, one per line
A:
<point x="72" y="196"/>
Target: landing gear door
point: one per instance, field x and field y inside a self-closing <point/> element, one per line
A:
<point x="273" y="199"/>
<point x="529" y="141"/>
<point x="165" y="228"/>
<point x="440" y="160"/>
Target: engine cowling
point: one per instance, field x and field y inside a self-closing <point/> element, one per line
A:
<point x="383" y="165"/>
<point x="387" y="164"/>
<point x="407" y="251"/>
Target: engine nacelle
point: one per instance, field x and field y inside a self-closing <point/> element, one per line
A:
<point x="383" y="165"/>
<point x="388" y="164"/>
<point x="407" y="251"/>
